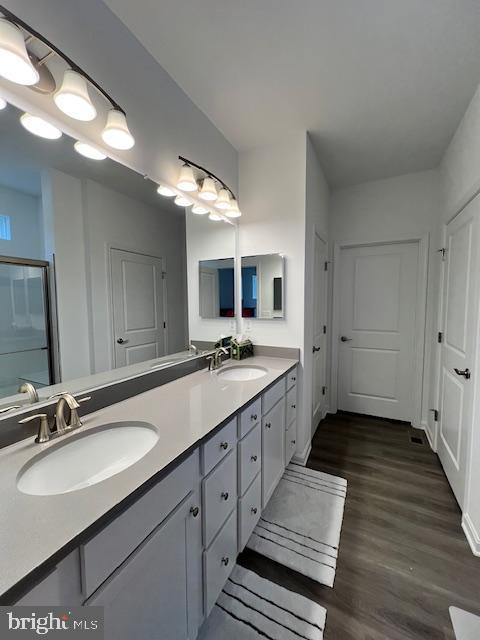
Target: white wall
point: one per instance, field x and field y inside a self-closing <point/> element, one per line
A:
<point x="26" y="224"/>
<point x="403" y="207"/>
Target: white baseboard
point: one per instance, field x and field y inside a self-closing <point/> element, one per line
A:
<point x="472" y="534"/>
<point x="301" y="458"/>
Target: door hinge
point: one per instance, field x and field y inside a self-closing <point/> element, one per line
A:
<point x="440" y="337"/>
<point x="164" y="275"/>
<point x="164" y="325"/>
<point x="324" y="390"/>
<point x="324" y="328"/>
<point x="443" y="251"/>
<point x="325" y="265"/>
<point x="435" y="414"/>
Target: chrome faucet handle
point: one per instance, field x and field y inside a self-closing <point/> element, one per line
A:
<point x="66" y="399"/>
<point x="10" y="408"/>
<point x="193" y="349"/>
<point x="211" y="362"/>
<point x="74" y="417"/>
<point x="44" y="432"/>
<point x="29" y="389"/>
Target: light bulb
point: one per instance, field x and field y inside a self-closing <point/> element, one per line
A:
<point x="186" y="179"/>
<point x="199" y="210"/>
<point x="208" y="191"/>
<point x="116" y="133"/>
<point x="234" y="211"/>
<point x="165" y="191"/>
<point x="72" y="98"/>
<point x="88" y="151"/>
<point x="40" y="127"/>
<point x="15" y="64"/>
<point x="223" y="201"/>
<point x="183" y="201"/>
<point x="215" y="217"/>
<point x="3" y="104"/>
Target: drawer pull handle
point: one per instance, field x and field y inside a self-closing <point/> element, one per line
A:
<point x="253" y="417"/>
<point x="224" y="445"/>
<point x="294" y="441"/>
<point x="254" y="510"/>
<point x="268" y="425"/>
<point x="225" y="561"/>
<point x="294" y="406"/>
<point x="254" y="458"/>
<point x="224" y="495"/>
<point x="194" y="511"/>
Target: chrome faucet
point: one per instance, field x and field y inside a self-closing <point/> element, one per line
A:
<point x="44" y="432"/>
<point x="215" y="360"/>
<point x="29" y="389"/>
<point x="193" y="349"/>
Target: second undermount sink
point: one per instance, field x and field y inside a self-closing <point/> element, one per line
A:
<point x="242" y="373"/>
<point x="87" y="458"/>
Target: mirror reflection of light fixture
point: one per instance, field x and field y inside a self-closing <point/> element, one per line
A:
<point x="215" y="217"/>
<point x="15" y="64"/>
<point x="72" y="98"/>
<point x="88" y="151"/>
<point x="223" y="201"/>
<point x="186" y="179"/>
<point x="3" y="103"/>
<point x="208" y="192"/>
<point x="165" y="191"/>
<point x="199" y="210"/>
<point x="116" y="133"/>
<point x="183" y="201"/>
<point x="40" y="127"/>
<point x="234" y="211"/>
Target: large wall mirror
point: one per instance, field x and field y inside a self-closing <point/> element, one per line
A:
<point x="95" y="267"/>
<point x="263" y="287"/>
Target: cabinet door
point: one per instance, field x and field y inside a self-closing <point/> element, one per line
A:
<point x="157" y="592"/>
<point x="273" y="443"/>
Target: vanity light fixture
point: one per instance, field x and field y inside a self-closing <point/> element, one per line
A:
<point x="183" y="201"/>
<point x="19" y="64"/>
<point x="165" y="191"/>
<point x="208" y="192"/>
<point x="186" y="179"/>
<point x="223" y="201"/>
<point x="234" y="211"/>
<point x="3" y="104"/>
<point x="15" y="63"/>
<point x="40" y="127"/>
<point x="88" y="151"/>
<point x="72" y="98"/>
<point x="215" y="217"/>
<point x="199" y="210"/>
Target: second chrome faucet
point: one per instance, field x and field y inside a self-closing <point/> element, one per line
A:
<point x="60" y="426"/>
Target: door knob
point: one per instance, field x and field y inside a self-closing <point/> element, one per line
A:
<point x="122" y="341"/>
<point x="345" y="339"/>
<point x="465" y="373"/>
<point x="315" y="349"/>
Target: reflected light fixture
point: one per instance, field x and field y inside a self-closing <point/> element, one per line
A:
<point x="3" y="104"/>
<point x="215" y="217"/>
<point x="234" y="211"/>
<point x="116" y="133"/>
<point x="186" y="179"/>
<point x="88" y="151"/>
<point x="208" y="192"/>
<point x="165" y="191"/>
<point x="223" y="201"/>
<point x="72" y="98"/>
<point x="15" y="64"/>
<point x="40" y="127"/>
<point x="199" y="210"/>
<point x="183" y="201"/>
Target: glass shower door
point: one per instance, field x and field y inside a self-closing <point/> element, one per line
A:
<point x="24" y="325"/>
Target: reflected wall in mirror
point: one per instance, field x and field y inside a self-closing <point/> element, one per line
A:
<point x="216" y="288"/>
<point x="110" y="251"/>
<point x="263" y="286"/>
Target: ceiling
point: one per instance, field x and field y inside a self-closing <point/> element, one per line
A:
<point x="381" y="85"/>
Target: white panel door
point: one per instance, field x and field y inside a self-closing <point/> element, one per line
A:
<point x="138" y="307"/>
<point x="460" y="311"/>
<point x="378" y="297"/>
<point x="319" y="332"/>
<point x="209" y="293"/>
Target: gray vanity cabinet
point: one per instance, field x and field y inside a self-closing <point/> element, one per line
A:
<point x="273" y="444"/>
<point x="157" y="592"/>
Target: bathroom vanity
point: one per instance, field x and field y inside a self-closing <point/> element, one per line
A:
<point x="155" y="543"/>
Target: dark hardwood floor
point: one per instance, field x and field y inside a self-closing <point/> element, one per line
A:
<point x="403" y="557"/>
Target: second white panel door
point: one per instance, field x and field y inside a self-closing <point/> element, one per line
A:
<point x="378" y="298"/>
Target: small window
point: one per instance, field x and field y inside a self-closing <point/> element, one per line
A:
<point x="5" y="230"/>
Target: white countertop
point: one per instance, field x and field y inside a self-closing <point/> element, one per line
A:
<point x="34" y="528"/>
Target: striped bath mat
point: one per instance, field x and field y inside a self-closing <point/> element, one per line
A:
<point x="251" y="607"/>
<point x="300" y="526"/>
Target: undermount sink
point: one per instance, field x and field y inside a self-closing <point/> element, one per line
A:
<point x="242" y="373"/>
<point x="87" y="459"/>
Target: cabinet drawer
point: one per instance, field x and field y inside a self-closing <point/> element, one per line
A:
<point x="273" y="395"/>
<point x="290" y="442"/>
<point x="291" y="405"/>
<point x="249" y="458"/>
<point x="249" y="512"/>
<point x="291" y="378"/>
<point x="219" y="496"/>
<point x="102" y="554"/>
<point x="249" y="417"/>
<point x="219" y="560"/>
<point x="218" y="446"/>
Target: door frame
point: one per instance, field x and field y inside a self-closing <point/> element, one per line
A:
<point x="108" y="258"/>
<point x="423" y="242"/>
